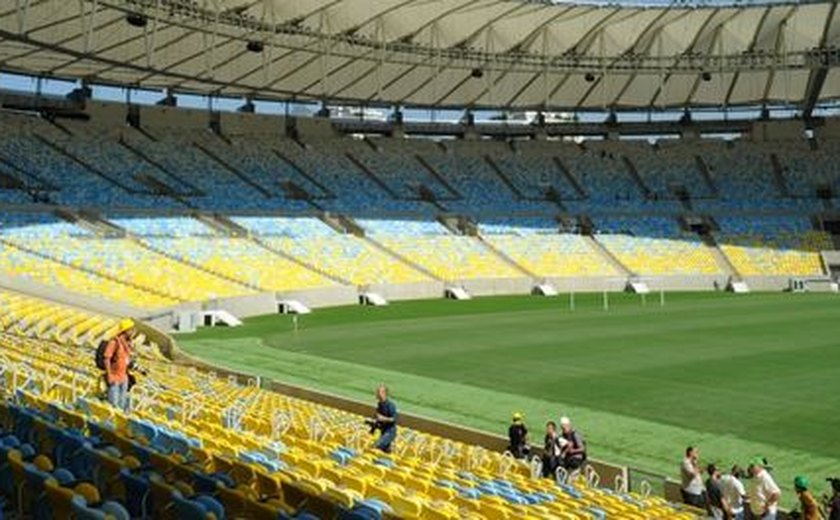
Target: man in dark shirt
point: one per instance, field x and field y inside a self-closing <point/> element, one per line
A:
<point x="574" y="451"/>
<point x="518" y="437"/>
<point x="714" y="493"/>
<point x="385" y="420"/>
<point x="551" y="450"/>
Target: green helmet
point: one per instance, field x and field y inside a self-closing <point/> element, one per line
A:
<point x="800" y="483"/>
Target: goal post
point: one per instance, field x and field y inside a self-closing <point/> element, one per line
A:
<point x="651" y="290"/>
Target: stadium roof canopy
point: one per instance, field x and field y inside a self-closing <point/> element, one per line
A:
<point x="460" y="53"/>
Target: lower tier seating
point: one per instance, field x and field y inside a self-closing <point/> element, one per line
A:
<point x="195" y="443"/>
<point x="782" y="255"/>
<point x="553" y="254"/>
<point x="684" y="255"/>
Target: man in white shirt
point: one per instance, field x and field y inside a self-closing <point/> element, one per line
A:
<point x="764" y="493"/>
<point x="733" y="494"/>
<point x="692" y="479"/>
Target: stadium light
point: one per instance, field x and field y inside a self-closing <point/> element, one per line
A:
<point x="248" y="107"/>
<point x="136" y="19"/>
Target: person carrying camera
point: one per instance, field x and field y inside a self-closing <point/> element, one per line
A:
<point x="385" y="420"/>
<point x="692" y="489"/>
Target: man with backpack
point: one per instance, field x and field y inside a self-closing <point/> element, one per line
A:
<point x="574" y="450"/>
<point x="518" y="437"/>
<point x="114" y="357"/>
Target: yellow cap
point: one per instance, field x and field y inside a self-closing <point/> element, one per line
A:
<point x="517" y="416"/>
<point x="124" y="325"/>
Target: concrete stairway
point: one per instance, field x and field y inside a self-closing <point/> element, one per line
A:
<point x="607" y="255"/>
<point x="402" y="258"/>
<point x="507" y="259"/>
<point x="93" y="272"/>
<point x="723" y="261"/>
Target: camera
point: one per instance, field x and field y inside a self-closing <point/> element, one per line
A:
<point x="835" y="483"/>
<point x="373" y="424"/>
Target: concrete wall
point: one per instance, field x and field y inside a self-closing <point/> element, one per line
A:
<point x="245" y="306"/>
<point x="410" y="291"/>
<point x="767" y="283"/>
<point x="498" y="286"/>
<point x="323" y="297"/>
<point x="314" y="128"/>
<point x="618" y="283"/>
<point x="831" y="257"/>
<point x="174" y="117"/>
<point x="237" y="125"/>
<point x="778" y="131"/>
<point x="106" y="114"/>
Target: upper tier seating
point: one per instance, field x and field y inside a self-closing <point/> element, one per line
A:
<point x="393" y="162"/>
<point x="464" y="167"/>
<point x="327" y="161"/>
<point x="66" y="181"/>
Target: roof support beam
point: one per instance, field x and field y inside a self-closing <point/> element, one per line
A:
<point x="816" y="80"/>
<point x="22" y="15"/>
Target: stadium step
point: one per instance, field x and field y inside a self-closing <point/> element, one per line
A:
<point x="306" y="265"/>
<point x="507" y="259"/>
<point x="24" y="178"/>
<point x="438" y="177"/>
<point x="87" y="166"/>
<point x="91" y="221"/>
<point x="504" y="177"/>
<point x="233" y="170"/>
<point x="607" y="255"/>
<point x="573" y="182"/>
<point x="194" y="191"/>
<point x="222" y="224"/>
<point x="342" y="224"/>
<point x="370" y="174"/>
<point x="637" y="179"/>
<point x="703" y="169"/>
<point x="390" y="252"/>
<point x="779" y="176"/>
<point x="325" y="192"/>
<point x="720" y="257"/>
<point x="142" y="243"/>
<point x="93" y="272"/>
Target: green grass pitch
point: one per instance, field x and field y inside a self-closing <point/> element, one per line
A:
<point x="739" y="375"/>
